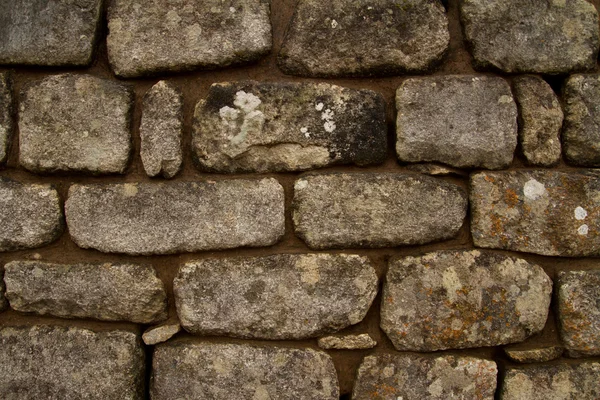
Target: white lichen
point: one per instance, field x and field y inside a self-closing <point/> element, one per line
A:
<point x="334" y="23"/>
<point x="583" y="230"/>
<point x="319" y="106"/>
<point x="247" y="102"/>
<point x="580" y="213"/>
<point x="329" y="126"/>
<point x="533" y="190"/>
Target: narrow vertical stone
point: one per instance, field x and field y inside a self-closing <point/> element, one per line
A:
<point x="6" y="116"/>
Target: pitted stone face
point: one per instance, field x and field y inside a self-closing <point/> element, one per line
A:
<point x="6" y="115"/>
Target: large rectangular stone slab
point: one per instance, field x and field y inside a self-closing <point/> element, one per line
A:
<point x="578" y="304"/>
<point x="463" y="299"/>
<point x="251" y="297"/>
<point x="45" y="362"/>
<point x="220" y="371"/>
<point x="467" y="121"/>
<point x="364" y="38"/>
<point x="539" y="36"/>
<point x="284" y="126"/>
<point x="6" y="115"/>
<point x="164" y="218"/>
<point x="552" y="382"/>
<point x="178" y="35"/>
<point x="75" y="123"/>
<point x="341" y="210"/>
<point x="30" y="215"/>
<point x="48" y="32"/>
<point x="544" y="212"/>
<point x="406" y="376"/>
<point x="108" y="291"/>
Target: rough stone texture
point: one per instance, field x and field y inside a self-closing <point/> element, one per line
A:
<point x="283" y="126"/>
<point x="581" y="133"/>
<point x="161" y="333"/>
<point x="285" y="296"/>
<point x="48" y="32"/>
<point x="161" y="129"/>
<point x="232" y="371"/>
<point x="375" y="210"/>
<point x="30" y="215"/>
<point x="109" y="292"/>
<point x="178" y="35"/>
<point x="44" y="362"/>
<point x="533" y="355"/>
<point x="578" y="295"/>
<point x="6" y="115"/>
<point x="405" y="376"/>
<point x="540" y="120"/>
<point x="537" y="36"/>
<point x="146" y="218"/>
<point x="436" y="169"/>
<point x="364" y="38"/>
<point x="3" y="301"/>
<point x="544" y="212"/>
<point x="75" y="123"/>
<point x="552" y="382"/>
<point x="462" y="299"/>
<point x="347" y="342"/>
<point x="465" y="121"/>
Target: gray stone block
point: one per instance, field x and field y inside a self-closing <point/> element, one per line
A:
<point x="7" y="123"/>
<point x="347" y="342"/>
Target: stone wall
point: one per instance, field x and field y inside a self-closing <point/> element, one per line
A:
<point x="244" y="199"/>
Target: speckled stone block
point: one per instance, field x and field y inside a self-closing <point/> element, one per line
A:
<point x="466" y="121"/>
<point x="6" y="115"/>
<point x="108" y="291"/>
<point x="45" y="362"/>
<point x="30" y="215"/>
<point x="535" y="354"/>
<point x="463" y="299"/>
<point x="284" y="296"/>
<point x="219" y="371"/>
<point x="284" y="126"/>
<point x="405" y="376"/>
<point x="544" y="212"/>
<point x="48" y="32"/>
<point x="178" y="35"/>
<point x="342" y="210"/>
<point x="347" y="342"/>
<point x="552" y="382"/>
<point x="160" y="333"/>
<point x="161" y="129"/>
<point x="166" y="218"/>
<point x="75" y="123"/>
<point x="537" y="36"/>
<point x="581" y="138"/>
<point x="578" y="298"/>
<point x="364" y="38"/>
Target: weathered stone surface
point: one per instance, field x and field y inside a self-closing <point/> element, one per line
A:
<point x="364" y="38"/>
<point x="552" y="382"/>
<point x="161" y="333"/>
<point x="581" y="137"/>
<point x="44" y="362"/>
<point x="533" y="355"/>
<point x="6" y="115"/>
<point x="578" y="295"/>
<point x="30" y="215"/>
<point x="405" y="376"/>
<point x="285" y="296"/>
<point x="161" y="129"/>
<point x="75" y="123"/>
<point x="3" y="301"/>
<point x="436" y="169"/>
<point x="179" y="35"/>
<point x="537" y="211"/>
<point x="146" y="218"/>
<point x="540" y="120"/>
<point x="227" y="371"/>
<point x="466" y="121"/>
<point x="283" y="126"/>
<point x="462" y="299"/>
<point x="538" y="36"/>
<point x="109" y="292"/>
<point x="376" y="210"/>
<point x="347" y="342"/>
<point x="48" y="32"/>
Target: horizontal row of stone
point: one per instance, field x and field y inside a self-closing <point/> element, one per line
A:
<point x="54" y="362"/>
<point x="80" y="123"/>
<point x="535" y="211"/>
<point x="442" y="300"/>
<point x="336" y="38"/>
